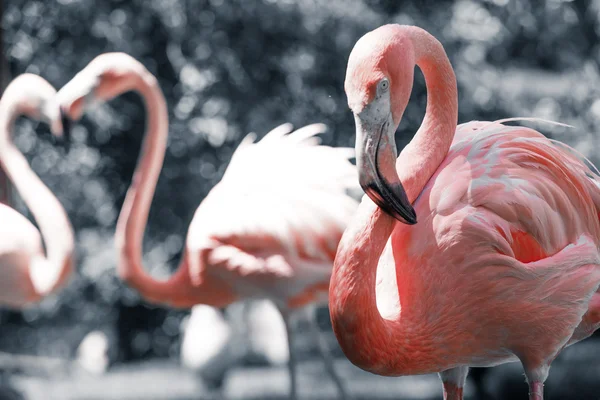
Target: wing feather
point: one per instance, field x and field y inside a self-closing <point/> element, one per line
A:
<point x="530" y="183"/>
<point x="285" y="194"/>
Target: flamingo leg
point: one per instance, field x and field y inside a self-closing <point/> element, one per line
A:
<point x="536" y="391"/>
<point x="326" y="356"/>
<point x="454" y="381"/>
<point x="292" y="362"/>
<point x="536" y="378"/>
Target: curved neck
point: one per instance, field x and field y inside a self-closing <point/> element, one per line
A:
<point x="355" y="318"/>
<point x="134" y="213"/>
<point x="365" y="336"/>
<point x="419" y="160"/>
<point x="49" y="214"/>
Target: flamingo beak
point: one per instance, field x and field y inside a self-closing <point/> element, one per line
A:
<point x="67" y="125"/>
<point x="376" y="160"/>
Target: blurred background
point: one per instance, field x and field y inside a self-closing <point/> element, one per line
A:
<point x="229" y="67"/>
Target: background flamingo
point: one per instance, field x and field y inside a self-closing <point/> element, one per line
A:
<point x="27" y="274"/>
<point x="269" y="229"/>
<point x="213" y="343"/>
<point x="208" y="346"/>
<point x="503" y="263"/>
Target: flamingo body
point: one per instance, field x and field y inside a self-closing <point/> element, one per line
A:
<point x="490" y="243"/>
<point x="273" y="232"/>
<point x="252" y="239"/>
<point x="18" y="257"/>
<point x="502" y="262"/>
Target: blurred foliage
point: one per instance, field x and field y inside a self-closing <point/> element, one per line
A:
<point x="235" y="66"/>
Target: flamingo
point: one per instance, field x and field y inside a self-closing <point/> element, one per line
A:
<point x="213" y="342"/>
<point x="269" y="229"/>
<point x="27" y="273"/>
<point x="93" y="353"/>
<point x="208" y="347"/>
<point x="503" y="262"/>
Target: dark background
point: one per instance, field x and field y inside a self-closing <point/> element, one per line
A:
<point x="228" y="67"/>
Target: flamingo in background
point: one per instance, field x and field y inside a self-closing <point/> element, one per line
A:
<point x="214" y="341"/>
<point x="27" y="274"/>
<point x="208" y="345"/>
<point x="269" y="229"/>
<point x="503" y="263"/>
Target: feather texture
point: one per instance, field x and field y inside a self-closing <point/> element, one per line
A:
<point x="278" y="212"/>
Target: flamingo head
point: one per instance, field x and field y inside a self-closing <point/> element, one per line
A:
<point x="105" y="77"/>
<point x="32" y="96"/>
<point x="378" y="84"/>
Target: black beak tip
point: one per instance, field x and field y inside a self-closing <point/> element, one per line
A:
<point x="406" y="215"/>
<point x="411" y="217"/>
<point x="66" y="124"/>
<point x="396" y="206"/>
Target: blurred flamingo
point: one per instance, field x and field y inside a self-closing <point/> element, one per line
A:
<point x="208" y="346"/>
<point x="215" y="341"/>
<point x="93" y="352"/>
<point x="503" y="264"/>
<point x="27" y="274"/>
<point x="269" y="229"/>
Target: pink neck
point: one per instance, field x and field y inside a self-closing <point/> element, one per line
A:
<point x="419" y="160"/>
<point x="134" y="213"/>
<point x="371" y="342"/>
<point x="51" y="217"/>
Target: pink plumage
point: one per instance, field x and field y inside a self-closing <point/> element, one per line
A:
<point x="503" y="262"/>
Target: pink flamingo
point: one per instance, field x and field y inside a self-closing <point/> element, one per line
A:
<point x="27" y="273"/>
<point x="213" y="342"/>
<point x="503" y="264"/>
<point x="269" y="229"/>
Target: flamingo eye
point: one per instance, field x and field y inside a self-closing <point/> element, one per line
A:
<point x="384" y="85"/>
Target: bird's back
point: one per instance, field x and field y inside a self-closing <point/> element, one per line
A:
<point x="284" y="196"/>
<point x="528" y="183"/>
<point x="495" y="218"/>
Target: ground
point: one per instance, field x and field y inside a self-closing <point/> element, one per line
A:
<point x="165" y="380"/>
<point x="574" y="375"/>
